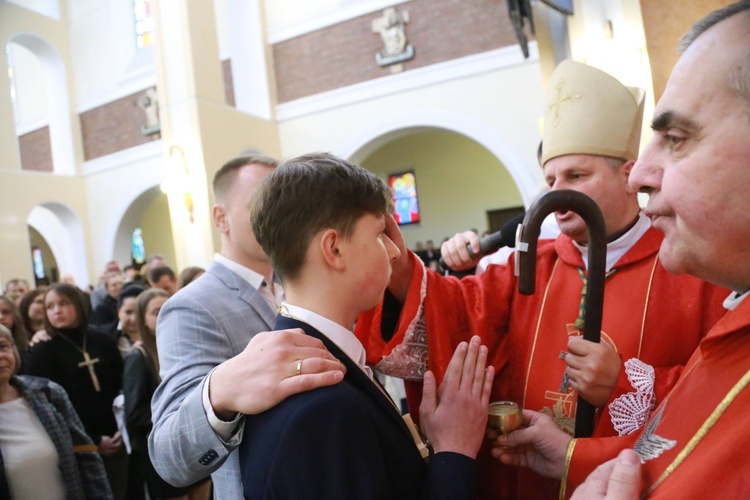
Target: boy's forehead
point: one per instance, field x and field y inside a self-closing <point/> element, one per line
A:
<point x="374" y="218"/>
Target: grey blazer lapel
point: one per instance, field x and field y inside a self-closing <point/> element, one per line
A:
<point x="245" y="292"/>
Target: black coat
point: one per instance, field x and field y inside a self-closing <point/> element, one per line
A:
<point x="343" y="441"/>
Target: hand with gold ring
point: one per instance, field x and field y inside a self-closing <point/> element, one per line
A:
<point x="260" y="377"/>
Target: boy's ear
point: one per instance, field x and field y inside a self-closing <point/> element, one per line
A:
<point x="330" y="242"/>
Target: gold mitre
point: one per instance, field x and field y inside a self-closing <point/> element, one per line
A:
<point x="590" y="112"/>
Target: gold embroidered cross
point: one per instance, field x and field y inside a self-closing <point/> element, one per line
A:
<point x="559" y="102"/>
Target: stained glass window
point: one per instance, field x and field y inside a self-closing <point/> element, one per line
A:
<point x="138" y="250"/>
<point x="36" y="257"/>
<point x="404" y="187"/>
<point x="144" y="23"/>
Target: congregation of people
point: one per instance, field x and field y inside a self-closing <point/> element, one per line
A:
<point x="84" y="370"/>
<point x="261" y="376"/>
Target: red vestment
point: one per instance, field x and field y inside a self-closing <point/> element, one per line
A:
<point x="525" y="334"/>
<point x="705" y="415"/>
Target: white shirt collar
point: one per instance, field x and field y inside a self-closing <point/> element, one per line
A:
<point x="616" y="249"/>
<point x="254" y="279"/>
<point x="734" y="300"/>
<point x="342" y="337"/>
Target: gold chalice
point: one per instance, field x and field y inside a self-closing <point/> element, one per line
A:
<point x="505" y="416"/>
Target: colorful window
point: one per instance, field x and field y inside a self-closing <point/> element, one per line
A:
<point x="404" y="187"/>
<point x="144" y="23"/>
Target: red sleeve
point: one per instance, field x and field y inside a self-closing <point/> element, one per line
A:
<point x="452" y="310"/>
<point x="586" y="454"/>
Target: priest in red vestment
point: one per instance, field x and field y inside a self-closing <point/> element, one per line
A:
<point x="592" y="132"/>
<point x="696" y="171"/>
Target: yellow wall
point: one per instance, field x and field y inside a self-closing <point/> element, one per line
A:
<point x="19" y="194"/>
<point x="457" y="182"/>
<point x="157" y="231"/>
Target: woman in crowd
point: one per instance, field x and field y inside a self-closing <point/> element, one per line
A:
<point x="32" y="311"/>
<point x="87" y="364"/>
<point x="188" y="275"/>
<point x="10" y="318"/>
<point x="140" y="379"/>
<point x="44" y="450"/>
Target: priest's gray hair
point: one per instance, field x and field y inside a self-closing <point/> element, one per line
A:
<point x="739" y="78"/>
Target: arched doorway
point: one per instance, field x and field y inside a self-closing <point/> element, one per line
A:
<point x="525" y="174"/>
<point x="149" y="211"/>
<point x="62" y="231"/>
<point x="458" y="181"/>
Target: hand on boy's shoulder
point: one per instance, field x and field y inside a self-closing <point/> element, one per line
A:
<point x="266" y="372"/>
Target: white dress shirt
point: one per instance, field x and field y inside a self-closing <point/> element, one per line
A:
<point x="343" y="337"/>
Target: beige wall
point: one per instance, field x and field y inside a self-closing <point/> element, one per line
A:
<point x="457" y="182"/>
<point x="503" y="105"/>
<point x="664" y="23"/>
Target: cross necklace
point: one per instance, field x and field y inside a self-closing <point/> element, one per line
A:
<point x="87" y="361"/>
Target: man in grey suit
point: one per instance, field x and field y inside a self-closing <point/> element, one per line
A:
<point x="215" y="364"/>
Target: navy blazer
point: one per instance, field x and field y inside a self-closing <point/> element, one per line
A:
<point x="343" y="442"/>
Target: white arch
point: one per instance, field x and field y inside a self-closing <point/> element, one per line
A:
<point x="62" y="230"/>
<point x="363" y="142"/>
<point x="129" y="219"/>
<point x="58" y="102"/>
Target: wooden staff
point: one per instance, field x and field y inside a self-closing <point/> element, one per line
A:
<point x="526" y="246"/>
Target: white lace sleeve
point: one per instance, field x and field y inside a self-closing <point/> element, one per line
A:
<point x="408" y="360"/>
<point x="631" y="411"/>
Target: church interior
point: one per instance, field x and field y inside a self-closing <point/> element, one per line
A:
<point x="115" y="114"/>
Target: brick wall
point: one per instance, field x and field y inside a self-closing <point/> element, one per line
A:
<point x="36" y="151"/>
<point x="344" y="54"/>
<point x="114" y="127"/>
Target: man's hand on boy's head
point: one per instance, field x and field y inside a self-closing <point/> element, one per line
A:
<point x="454" y="416"/>
<point x="401" y="267"/>
<point x="266" y="373"/>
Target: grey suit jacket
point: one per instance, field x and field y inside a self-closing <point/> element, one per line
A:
<point x="201" y="326"/>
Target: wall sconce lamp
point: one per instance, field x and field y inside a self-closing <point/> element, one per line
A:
<point x="177" y="179"/>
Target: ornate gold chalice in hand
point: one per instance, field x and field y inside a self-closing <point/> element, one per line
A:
<point x="505" y="416"/>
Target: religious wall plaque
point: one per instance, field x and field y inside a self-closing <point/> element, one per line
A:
<point x="391" y="27"/>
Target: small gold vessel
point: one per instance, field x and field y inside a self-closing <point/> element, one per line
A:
<point x="505" y="416"/>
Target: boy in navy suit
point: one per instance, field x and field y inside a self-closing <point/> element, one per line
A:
<point x="322" y="222"/>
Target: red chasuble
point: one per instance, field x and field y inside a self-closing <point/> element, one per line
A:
<point x="697" y="443"/>
<point x="644" y="310"/>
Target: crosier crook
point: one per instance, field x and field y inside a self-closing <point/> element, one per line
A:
<point x="527" y="238"/>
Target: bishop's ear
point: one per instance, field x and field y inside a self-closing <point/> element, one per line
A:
<point x="330" y="247"/>
<point x="626" y="168"/>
